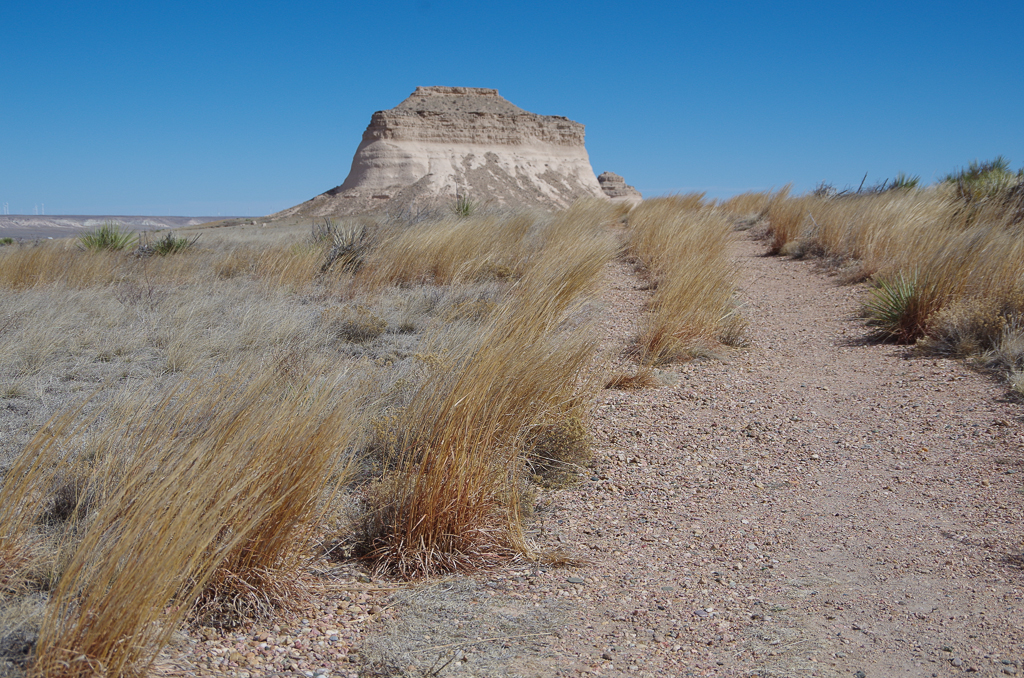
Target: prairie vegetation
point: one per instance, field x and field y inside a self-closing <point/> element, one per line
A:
<point x="945" y="263"/>
<point x="682" y="244"/>
<point x="264" y="398"/>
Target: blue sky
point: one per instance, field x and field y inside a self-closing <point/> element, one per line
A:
<point x="206" y="108"/>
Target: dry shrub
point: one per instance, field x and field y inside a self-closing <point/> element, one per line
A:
<point x="684" y="246"/>
<point x="1008" y="353"/>
<point x="967" y="327"/>
<point x="453" y="501"/>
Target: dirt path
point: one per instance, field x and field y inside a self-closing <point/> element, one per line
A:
<point x="815" y="506"/>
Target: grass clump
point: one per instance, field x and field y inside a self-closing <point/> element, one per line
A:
<point x="110" y="237"/>
<point x="895" y="309"/>
<point x="463" y="207"/>
<point x="6" y="241"/>
<point x="168" y="244"/>
<point x="453" y="501"/>
<point x="682" y="243"/>
<point x="209" y="515"/>
<point x="557" y="451"/>
<point x="357" y="324"/>
<point x="943" y="261"/>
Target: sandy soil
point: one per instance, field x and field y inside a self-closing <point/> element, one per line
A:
<point x="815" y="505"/>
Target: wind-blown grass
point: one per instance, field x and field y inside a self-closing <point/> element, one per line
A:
<point x="945" y="261"/>
<point x="682" y="242"/>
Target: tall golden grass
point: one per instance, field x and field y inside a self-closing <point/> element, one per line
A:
<point x="682" y="241"/>
<point x="454" y="501"/>
<point x="211" y="495"/>
<point x="201" y="495"/>
<point x="946" y="267"/>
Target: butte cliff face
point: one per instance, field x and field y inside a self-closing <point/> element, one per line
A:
<point x="444" y="142"/>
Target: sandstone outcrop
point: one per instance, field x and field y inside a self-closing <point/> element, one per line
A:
<point x="444" y="142"/>
<point x="615" y="188"/>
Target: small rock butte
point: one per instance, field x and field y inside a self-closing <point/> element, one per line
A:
<point x="444" y="142"/>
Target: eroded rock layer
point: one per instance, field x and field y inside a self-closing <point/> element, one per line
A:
<point x="616" y="189"/>
<point x="444" y="142"/>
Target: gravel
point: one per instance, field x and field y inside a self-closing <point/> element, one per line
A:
<point x="814" y="504"/>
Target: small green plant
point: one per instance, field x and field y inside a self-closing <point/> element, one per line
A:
<point x="6" y="241"/>
<point x="904" y="182"/>
<point x="464" y="206"/>
<point x="169" y="244"/>
<point x="891" y="309"/>
<point x="987" y="179"/>
<point x="111" y="236"/>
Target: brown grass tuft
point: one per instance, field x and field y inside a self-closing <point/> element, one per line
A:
<point x="683" y="244"/>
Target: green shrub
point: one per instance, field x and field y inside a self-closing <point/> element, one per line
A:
<point x="169" y="244"/>
<point x="6" y="241"/>
<point x="904" y="182"/>
<point x="893" y="311"/>
<point x="111" y="236"/>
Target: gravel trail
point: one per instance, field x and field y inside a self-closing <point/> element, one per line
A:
<point x="812" y="505"/>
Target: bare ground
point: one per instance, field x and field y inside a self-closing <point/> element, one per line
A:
<point x="813" y="505"/>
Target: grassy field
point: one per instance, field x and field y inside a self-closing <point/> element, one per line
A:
<point x="197" y="419"/>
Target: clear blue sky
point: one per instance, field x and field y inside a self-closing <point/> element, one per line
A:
<point x="206" y="108"/>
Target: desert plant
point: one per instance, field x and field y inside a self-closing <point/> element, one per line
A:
<point x="111" y="236"/>
<point x="464" y="206"/>
<point x="348" y="241"/>
<point x="6" y="241"/>
<point x="169" y="244"/>
<point x="893" y="310"/>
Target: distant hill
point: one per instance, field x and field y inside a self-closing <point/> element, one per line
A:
<point x="29" y="226"/>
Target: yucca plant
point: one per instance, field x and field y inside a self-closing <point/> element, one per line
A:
<point x="171" y="244"/>
<point x="464" y="206"/>
<point x="111" y="236"/>
<point x="892" y="309"/>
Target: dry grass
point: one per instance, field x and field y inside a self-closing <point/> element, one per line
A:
<point x="453" y="502"/>
<point x="233" y="383"/>
<point x="642" y="377"/>
<point x="944" y="263"/>
<point x="218" y="477"/>
<point x="683" y="244"/>
<point x="753" y="204"/>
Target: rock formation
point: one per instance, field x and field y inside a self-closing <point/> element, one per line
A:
<point x="615" y="188"/>
<point x="444" y="142"/>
